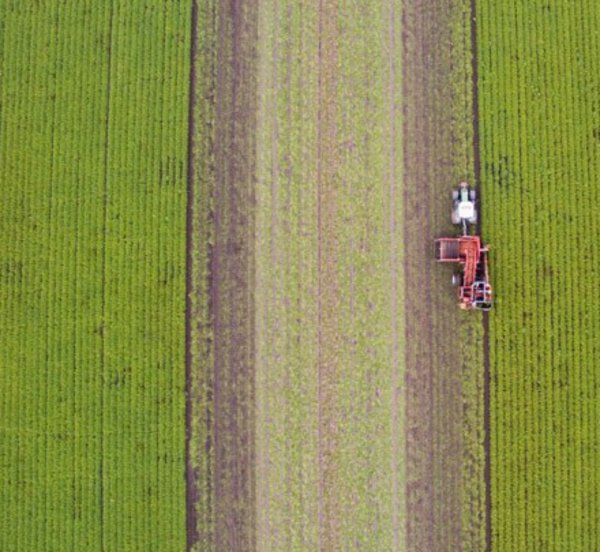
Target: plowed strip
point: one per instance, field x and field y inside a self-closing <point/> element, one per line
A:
<point x="231" y="280"/>
<point x="443" y="357"/>
<point x="220" y="413"/>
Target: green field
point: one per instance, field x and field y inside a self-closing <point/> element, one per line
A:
<point x="539" y="84"/>
<point x="93" y="140"/>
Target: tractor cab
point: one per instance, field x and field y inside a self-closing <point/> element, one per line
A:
<point x="482" y="295"/>
<point x="463" y="206"/>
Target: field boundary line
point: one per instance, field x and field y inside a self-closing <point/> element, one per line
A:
<point x="191" y="518"/>
<point x="485" y="316"/>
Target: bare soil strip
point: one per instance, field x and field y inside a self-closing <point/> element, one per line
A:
<point x="231" y="280"/>
<point x="441" y="502"/>
<point x="220" y="335"/>
<point x="328" y="292"/>
<point x="190" y="474"/>
<point x="418" y="370"/>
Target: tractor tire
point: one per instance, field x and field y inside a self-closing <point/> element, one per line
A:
<point x="456" y="279"/>
<point x="455" y="195"/>
<point x="473" y="195"/>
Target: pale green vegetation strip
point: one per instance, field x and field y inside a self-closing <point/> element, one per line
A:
<point x="370" y="278"/>
<point x="539" y="83"/>
<point x="92" y="214"/>
<point x="287" y="262"/>
<point x="286" y="275"/>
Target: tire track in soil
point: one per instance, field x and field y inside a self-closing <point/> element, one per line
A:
<point x="220" y="395"/>
<point x="231" y="277"/>
<point x="190" y="475"/>
<point x="434" y="400"/>
<point x="419" y="385"/>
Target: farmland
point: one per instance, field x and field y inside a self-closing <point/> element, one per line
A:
<point x="318" y="296"/>
<point x="307" y="217"/>
<point x="539" y="106"/>
<point x="222" y="324"/>
<point x="92" y="163"/>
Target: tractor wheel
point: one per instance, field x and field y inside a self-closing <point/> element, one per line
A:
<point x="454" y="195"/>
<point x="472" y="195"/>
<point x="456" y="279"/>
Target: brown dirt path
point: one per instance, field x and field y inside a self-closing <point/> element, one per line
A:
<point x="444" y="459"/>
<point x="232" y="279"/>
<point x="220" y="414"/>
<point x="190" y="474"/>
<point x="222" y="363"/>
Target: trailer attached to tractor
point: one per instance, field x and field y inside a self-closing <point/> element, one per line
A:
<point x="474" y="289"/>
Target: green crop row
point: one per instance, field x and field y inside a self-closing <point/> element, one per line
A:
<point x="93" y="140"/>
<point x="540" y="115"/>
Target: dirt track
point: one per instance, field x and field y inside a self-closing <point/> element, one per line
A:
<point x="190" y="476"/>
<point x="220" y="387"/>
<point x="231" y="278"/>
<point x="443" y="453"/>
<point x="282" y="414"/>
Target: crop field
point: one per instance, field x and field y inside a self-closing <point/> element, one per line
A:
<point x="93" y="169"/>
<point x="223" y="327"/>
<point x="540" y="151"/>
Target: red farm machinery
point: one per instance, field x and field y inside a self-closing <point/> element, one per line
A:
<point x="474" y="289"/>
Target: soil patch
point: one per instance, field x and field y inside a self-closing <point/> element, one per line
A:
<point x="437" y="155"/>
<point x="220" y="319"/>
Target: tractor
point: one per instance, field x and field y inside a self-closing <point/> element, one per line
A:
<point x="463" y="206"/>
<point x="474" y="289"/>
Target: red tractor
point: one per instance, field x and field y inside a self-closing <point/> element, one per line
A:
<point x="475" y="291"/>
